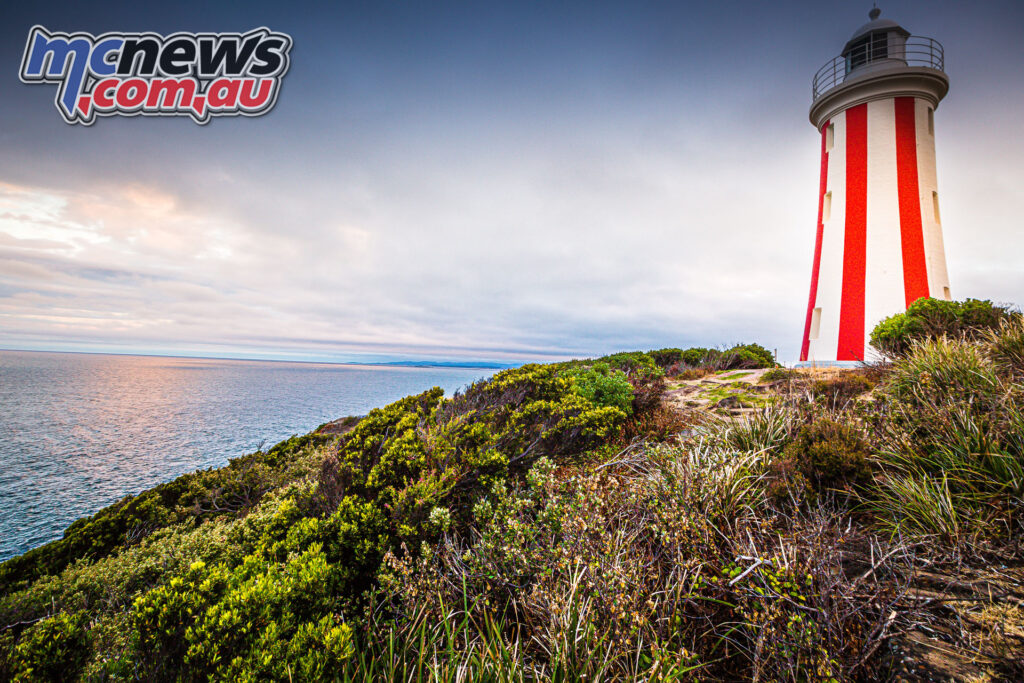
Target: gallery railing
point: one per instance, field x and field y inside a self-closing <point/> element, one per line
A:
<point x="918" y="51"/>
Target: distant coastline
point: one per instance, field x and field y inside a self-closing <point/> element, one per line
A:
<point x="468" y="365"/>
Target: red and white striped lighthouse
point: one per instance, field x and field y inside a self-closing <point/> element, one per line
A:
<point x="878" y="246"/>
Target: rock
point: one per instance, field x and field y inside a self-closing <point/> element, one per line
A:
<point x="728" y="402"/>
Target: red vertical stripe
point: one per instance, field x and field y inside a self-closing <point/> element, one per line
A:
<point x="915" y="271"/>
<point x="804" y="348"/>
<point x="851" y="310"/>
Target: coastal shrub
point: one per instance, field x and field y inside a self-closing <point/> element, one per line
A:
<point x="374" y="489"/>
<point x="259" y="621"/>
<point x="54" y="649"/>
<point x="96" y="536"/>
<point x="654" y="565"/>
<point x="342" y="425"/>
<point x="632" y="382"/>
<point x="830" y="455"/>
<point x="929" y="318"/>
<point x="534" y="411"/>
<point x="750" y="356"/>
<point x="603" y="386"/>
<point x="836" y="392"/>
<point x="633" y="363"/>
<point x="392" y="472"/>
<point x="780" y="373"/>
<point x="230" y="490"/>
<point x="681" y="372"/>
<point x="234" y="490"/>
<point x="739" y="357"/>
<point x="695" y="356"/>
<point x="659" y="423"/>
<point x="666" y="358"/>
<point x="647" y="393"/>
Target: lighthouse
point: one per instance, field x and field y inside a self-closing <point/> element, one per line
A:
<point x="878" y="243"/>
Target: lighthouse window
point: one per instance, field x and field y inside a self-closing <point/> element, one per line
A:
<point x="935" y="206"/>
<point x="830" y="137"/>
<point x="815" y="324"/>
<point x="869" y="48"/>
<point x="879" y="45"/>
<point x="931" y="121"/>
<point x="826" y="207"/>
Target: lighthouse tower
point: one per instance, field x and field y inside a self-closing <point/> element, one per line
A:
<point x="878" y="246"/>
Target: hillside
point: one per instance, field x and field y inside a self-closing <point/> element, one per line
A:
<point x="671" y="515"/>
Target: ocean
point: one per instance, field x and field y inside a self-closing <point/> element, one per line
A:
<point x="80" y="431"/>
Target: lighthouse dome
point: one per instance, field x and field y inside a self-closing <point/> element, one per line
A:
<point x="878" y="25"/>
<point x="877" y="31"/>
<point x="879" y="43"/>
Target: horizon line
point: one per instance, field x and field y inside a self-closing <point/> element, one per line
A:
<point x="479" y="364"/>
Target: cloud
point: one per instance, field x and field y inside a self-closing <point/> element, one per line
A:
<point x="577" y="250"/>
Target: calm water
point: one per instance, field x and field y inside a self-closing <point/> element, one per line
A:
<point x="78" y="431"/>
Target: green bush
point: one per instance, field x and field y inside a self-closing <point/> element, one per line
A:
<point x="929" y="318"/>
<point x="603" y="386"/>
<point x="259" y="621"/>
<point x="54" y="649"/>
<point x="751" y="356"/>
<point x="696" y="356"/>
<point x="633" y="363"/>
<point x="96" y="536"/>
<point x="741" y="356"/>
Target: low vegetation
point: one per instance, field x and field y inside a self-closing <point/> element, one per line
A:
<point x="929" y="319"/>
<point x="741" y="356"/>
<point x="565" y="522"/>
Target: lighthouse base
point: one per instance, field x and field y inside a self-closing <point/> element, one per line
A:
<point x="830" y="364"/>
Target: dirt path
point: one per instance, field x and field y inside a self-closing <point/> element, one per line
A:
<point x="731" y="392"/>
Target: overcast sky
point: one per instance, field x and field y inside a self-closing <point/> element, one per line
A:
<point x="477" y="180"/>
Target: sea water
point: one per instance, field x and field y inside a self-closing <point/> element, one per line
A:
<point x="80" y="431"/>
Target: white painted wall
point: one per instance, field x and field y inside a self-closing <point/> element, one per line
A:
<point x="830" y="273"/>
<point x="883" y="289"/>
<point x="934" y="250"/>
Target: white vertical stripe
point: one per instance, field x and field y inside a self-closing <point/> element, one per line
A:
<point x="935" y="253"/>
<point x="830" y="272"/>
<point x="884" y="291"/>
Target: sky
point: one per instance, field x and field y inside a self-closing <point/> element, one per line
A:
<point x="488" y="181"/>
